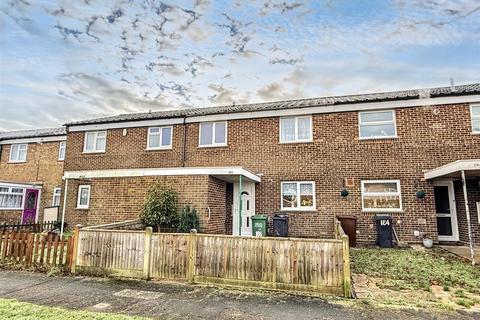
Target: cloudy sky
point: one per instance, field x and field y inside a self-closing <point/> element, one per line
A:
<point x="76" y="59"/>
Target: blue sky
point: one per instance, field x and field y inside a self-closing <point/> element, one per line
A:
<point x="69" y="60"/>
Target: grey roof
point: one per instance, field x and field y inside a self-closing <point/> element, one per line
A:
<point x="292" y="104"/>
<point x="35" y="133"/>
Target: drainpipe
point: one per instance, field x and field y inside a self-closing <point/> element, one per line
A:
<point x="467" y="211"/>
<point x="240" y="188"/>
<point x="184" y="151"/>
<point x="64" y="206"/>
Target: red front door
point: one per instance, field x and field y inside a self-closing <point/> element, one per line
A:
<point x="30" y="206"/>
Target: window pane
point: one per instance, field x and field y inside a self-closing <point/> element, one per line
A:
<point x="22" y="155"/>
<point x="287" y="127"/>
<point x="3" y="189"/>
<point x="101" y="142"/>
<point x="90" y="141"/>
<point x="154" y="130"/>
<point x="304" y="129"/>
<point x="220" y="130"/>
<point x="380" y="187"/>
<point x="306" y="195"/>
<point x="206" y="130"/>
<point x="381" y="202"/>
<point x="14" y="152"/>
<point x="289" y="196"/>
<point x="84" y="196"/>
<point x="101" y="134"/>
<point x="476" y="125"/>
<point x="17" y="190"/>
<point x="376" y="116"/>
<point x="166" y="136"/>
<point x="10" y="201"/>
<point x="378" y="130"/>
<point x="476" y="111"/>
<point x="154" y="141"/>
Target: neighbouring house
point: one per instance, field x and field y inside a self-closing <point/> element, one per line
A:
<point x="397" y="153"/>
<point x="31" y="169"/>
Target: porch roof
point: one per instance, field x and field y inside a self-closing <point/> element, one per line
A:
<point x="229" y="174"/>
<point x="471" y="167"/>
<point x="21" y="184"/>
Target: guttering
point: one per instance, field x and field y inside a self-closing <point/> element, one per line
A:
<point x="33" y="140"/>
<point x="363" y="106"/>
<point x="146" y="172"/>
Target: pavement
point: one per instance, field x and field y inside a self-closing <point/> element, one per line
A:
<point x="463" y="252"/>
<point x="181" y="301"/>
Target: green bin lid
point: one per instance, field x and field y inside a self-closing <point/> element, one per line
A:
<point x="260" y="216"/>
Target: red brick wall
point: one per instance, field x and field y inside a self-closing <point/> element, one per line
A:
<point x="473" y="192"/>
<point x="425" y="140"/>
<point x="42" y="167"/>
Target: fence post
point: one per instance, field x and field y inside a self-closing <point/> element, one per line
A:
<point x="147" y="252"/>
<point x="347" y="280"/>
<point x="76" y="240"/>
<point x="192" y="256"/>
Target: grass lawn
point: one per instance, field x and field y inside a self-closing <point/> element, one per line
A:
<point x="12" y="309"/>
<point x="443" y="278"/>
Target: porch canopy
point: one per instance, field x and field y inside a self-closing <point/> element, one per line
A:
<point x="460" y="169"/>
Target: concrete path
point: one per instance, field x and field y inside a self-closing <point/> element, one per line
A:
<point x="177" y="301"/>
<point x="463" y="252"/>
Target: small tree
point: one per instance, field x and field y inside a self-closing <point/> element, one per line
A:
<point x="160" y="208"/>
<point x="188" y="219"/>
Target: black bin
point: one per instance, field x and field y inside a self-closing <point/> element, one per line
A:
<point x="384" y="231"/>
<point x="280" y="225"/>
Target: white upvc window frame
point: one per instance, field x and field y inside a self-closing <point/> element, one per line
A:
<point x="57" y="192"/>
<point x="79" y="192"/>
<point x="296" y="140"/>
<point x="386" y="210"/>
<point x="213" y="144"/>
<point x="298" y="207"/>
<point x="10" y="188"/>
<point x="394" y="121"/>
<point x="62" y="146"/>
<point x="160" y="134"/>
<point x="21" y="147"/>
<point x="95" y="150"/>
<point x="472" y="117"/>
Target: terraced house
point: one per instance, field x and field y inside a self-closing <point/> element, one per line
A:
<point x="31" y="169"/>
<point x="400" y="153"/>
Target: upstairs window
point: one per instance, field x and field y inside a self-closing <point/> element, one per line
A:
<point x="61" y="150"/>
<point x="57" y="192"/>
<point x="83" y="199"/>
<point x="377" y="124"/>
<point x="296" y="129"/>
<point x="381" y="196"/>
<point x="159" y="138"/>
<point x="18" y="153"/>
<point x="475" y="115"/>
<point x="213" y="134"/>
<point x="298" y="195"/>
<point x="11" y="198"/>
<point x="95" y="141"/>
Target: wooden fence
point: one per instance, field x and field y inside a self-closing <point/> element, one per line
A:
<point x="31" y="227"/>
<point x="36" y="249"/>
<point x="312" y="265"/>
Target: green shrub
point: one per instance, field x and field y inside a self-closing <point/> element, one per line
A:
<point x="160" y="208"/>
<point x="188" y="219"/>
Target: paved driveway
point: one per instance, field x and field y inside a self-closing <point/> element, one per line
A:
<point x="176" y="301"/>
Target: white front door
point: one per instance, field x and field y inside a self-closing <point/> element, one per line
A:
<point x="248" y="208"/>
<point x="446" y="211"/>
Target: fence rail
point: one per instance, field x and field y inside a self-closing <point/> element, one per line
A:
<point x="31" y="227"/>
<point x="313" y="265"/>
<point x="29" y="248"/>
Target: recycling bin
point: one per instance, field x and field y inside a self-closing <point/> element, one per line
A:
<point x="384" y="231"/>
<point x="280" y="225"/>
<point x="259" y="225"/>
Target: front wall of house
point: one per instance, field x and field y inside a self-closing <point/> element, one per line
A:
<point x="426" y="139"/>
<point x="473" y="191"/>
<point x="42" y="167"/>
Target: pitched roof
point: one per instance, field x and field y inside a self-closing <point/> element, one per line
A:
<point x="290" y="104"/>
<point x="35" y="133"/>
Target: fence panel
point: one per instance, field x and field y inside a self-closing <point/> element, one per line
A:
<point x="169" y="258"/>
<point x="111" y="250"/>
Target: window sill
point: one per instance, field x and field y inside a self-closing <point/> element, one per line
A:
<point x="213" y="146"/>
<point x="475" y="133"/>
<point x="298" y="210"/>
<point x="10" y="209"/>
<point x="378" y="138"/>
<point x="159" y="149"/>
<point x="296" y="142"/>
<point x="13" y="162"/>
<point x="81" y="208"/>
<point x="87" y="152"/>
<point x="383" y="211"/>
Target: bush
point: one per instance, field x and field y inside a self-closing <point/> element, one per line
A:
<point x="188" y="219"/>
<point x="160" y="208"/>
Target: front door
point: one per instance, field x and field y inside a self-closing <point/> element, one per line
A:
<point x="30" y="206"/>
<point x="445" y="210"/>
<point x="248" y="208"/>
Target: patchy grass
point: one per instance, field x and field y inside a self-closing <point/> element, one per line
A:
<point x="406" y="269"/>
<point x="12" y="309"/>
